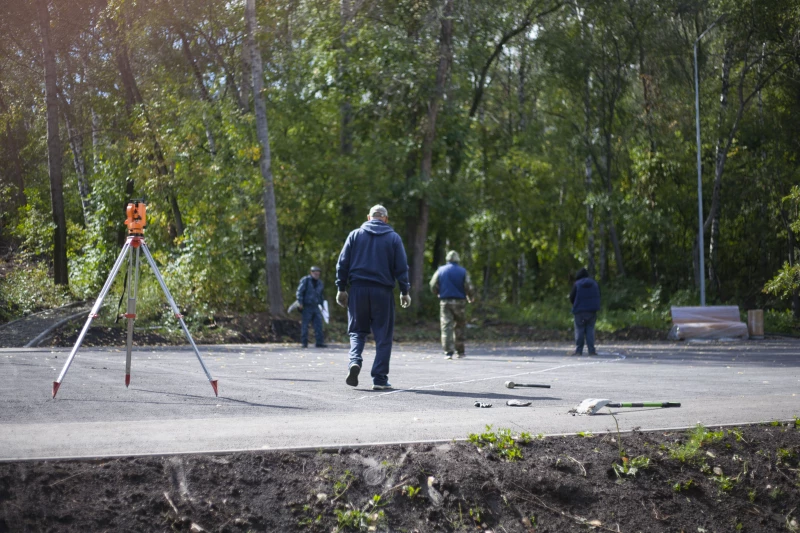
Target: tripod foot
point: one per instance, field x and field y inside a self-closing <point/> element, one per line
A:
<point x="214" y="386"/>
<point x="56" y="385"/>
<point x="127" y="379"/>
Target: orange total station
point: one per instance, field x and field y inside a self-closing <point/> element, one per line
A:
<point x="137" y="217"/>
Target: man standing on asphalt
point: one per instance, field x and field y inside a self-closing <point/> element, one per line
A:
<point x="372" y="259"/>
<point x="309" y="298"/>
<point x="452" y="285"/>
<point x="585" y="298"/>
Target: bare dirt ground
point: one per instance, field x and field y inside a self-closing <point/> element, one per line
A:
<point x="745" y="479"/>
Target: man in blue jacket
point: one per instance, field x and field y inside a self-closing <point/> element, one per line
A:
<point x="585" y="298"/>
<point x="309" y="298"/>
<point x="372" y="259"/>
<point x="452" y="285"/>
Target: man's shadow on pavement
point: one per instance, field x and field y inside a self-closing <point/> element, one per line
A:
<point x="472" y="395"/>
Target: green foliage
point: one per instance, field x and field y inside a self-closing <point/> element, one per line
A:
<point x="342" y="484"/>
<point x="681" y="487"/>
<point x="502" y="442"/>
<point x="630" y="466"/>
<point x="696" y="439"/>
<point x="30" y="288"/>
<point x="411" y="491"/>
<point x="347" y="104"/>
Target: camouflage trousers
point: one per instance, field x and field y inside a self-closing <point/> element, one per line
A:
<point x="453" y="318"/>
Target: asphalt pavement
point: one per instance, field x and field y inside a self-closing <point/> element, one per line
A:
<point x="282" y="396"/>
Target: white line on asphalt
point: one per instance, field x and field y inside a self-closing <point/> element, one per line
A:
<point x="620" y="357"/>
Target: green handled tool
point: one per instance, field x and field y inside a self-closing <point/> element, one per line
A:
<point x="593" y="405"/>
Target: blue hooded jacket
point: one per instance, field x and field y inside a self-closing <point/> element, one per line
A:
<point x="373" y="255"/>
<point x="307" y="294"/>
<point x="585" y="294"/>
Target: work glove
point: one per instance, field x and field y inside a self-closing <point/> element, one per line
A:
<point x="341" y="298"/>
<point x="405" y="300"/>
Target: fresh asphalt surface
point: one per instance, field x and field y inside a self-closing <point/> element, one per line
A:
<point x="281" y="396"/>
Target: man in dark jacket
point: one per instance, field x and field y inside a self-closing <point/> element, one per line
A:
<point x="585" y="298"/>
<point x="372" y="259"/>
<point x="309" y="298"/>
<point x="452" y="285"/>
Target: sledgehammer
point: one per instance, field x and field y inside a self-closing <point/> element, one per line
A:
<point x="511" y="385"/>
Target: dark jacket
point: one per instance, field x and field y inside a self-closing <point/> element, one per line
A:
<point x="585" y="294"/>
<point x="373" y="255"/>
<point x="451" y="281"/>
<point x="307" y="294"/>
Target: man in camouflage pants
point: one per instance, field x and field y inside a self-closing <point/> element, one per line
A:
<point x="452" y="285"/>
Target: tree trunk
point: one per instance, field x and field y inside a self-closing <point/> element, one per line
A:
<point x="345" y="108"/>
<point x="270" y="210"/>
<point x="792" y="262"/>
<point x="426" y="165"/>
<point x="603" y="252"/>
<point x="201" y="86"/>
<point x="591" y="266"/>
<point x="53" y="149"/>
<point x="12" y="143"/>
<point x="76" y="145"/>
<point x="720" y="158"/>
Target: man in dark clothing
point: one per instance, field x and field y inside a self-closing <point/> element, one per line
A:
<point x="309" y="298"/>
<point x="585" y="298"/>
<point x="372" y="259"/>
<point x="452" y="285"/>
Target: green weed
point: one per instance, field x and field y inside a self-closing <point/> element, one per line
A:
<point x="411" y="491"/>
<point x="697" y="438"/>
<point x="502" y="442"/>
<point x="341" y="485"/>
<point x="630" y="467"/>
<point x="686" y="485"/>
<point x="585" y="434"/>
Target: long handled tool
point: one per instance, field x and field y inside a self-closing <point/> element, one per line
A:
<point x="511" y="385"/>
<point x="592" y="405"/>
<point x="133" y="245"/>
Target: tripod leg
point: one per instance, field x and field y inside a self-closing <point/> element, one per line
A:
<point x="130" y="314"/>
<point x="178" y="315"/>
<point x="92" y="314"/>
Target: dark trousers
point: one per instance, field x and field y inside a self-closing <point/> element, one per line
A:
<point x="312" y="314"/>
<point x="584" y="329"/>
<point x="371" y="309"/>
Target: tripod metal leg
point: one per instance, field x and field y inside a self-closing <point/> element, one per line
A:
<point x="93" y="313"/>
<point x="130" y="313"/>
<point x="177" y="314"/>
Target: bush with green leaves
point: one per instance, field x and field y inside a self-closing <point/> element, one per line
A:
<point x="30" y="288"/>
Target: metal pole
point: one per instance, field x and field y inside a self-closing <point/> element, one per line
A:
<point x="701" y="245"/>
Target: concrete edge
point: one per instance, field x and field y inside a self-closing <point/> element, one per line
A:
<point x="354" y="446"/>
<point x="41" y="336"/>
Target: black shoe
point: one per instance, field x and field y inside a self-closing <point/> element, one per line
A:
<point x="592" y="352"/>
<point x="352" y="376"/>
<point x="321" y="345"/>
<point x="576" y="353"/>
<point x="304" y="345"/>
<point x="448" y="355"/>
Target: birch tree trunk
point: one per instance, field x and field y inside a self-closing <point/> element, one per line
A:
<point x="270" y="210"/>
<point x="53" y="149"/>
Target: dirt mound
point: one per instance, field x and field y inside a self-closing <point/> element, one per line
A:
<point x="735" y="480"/>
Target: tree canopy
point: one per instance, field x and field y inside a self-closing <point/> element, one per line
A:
<point x="532" y="136"/>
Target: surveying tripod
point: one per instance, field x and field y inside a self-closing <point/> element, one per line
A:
<point x="137" y="218"/>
